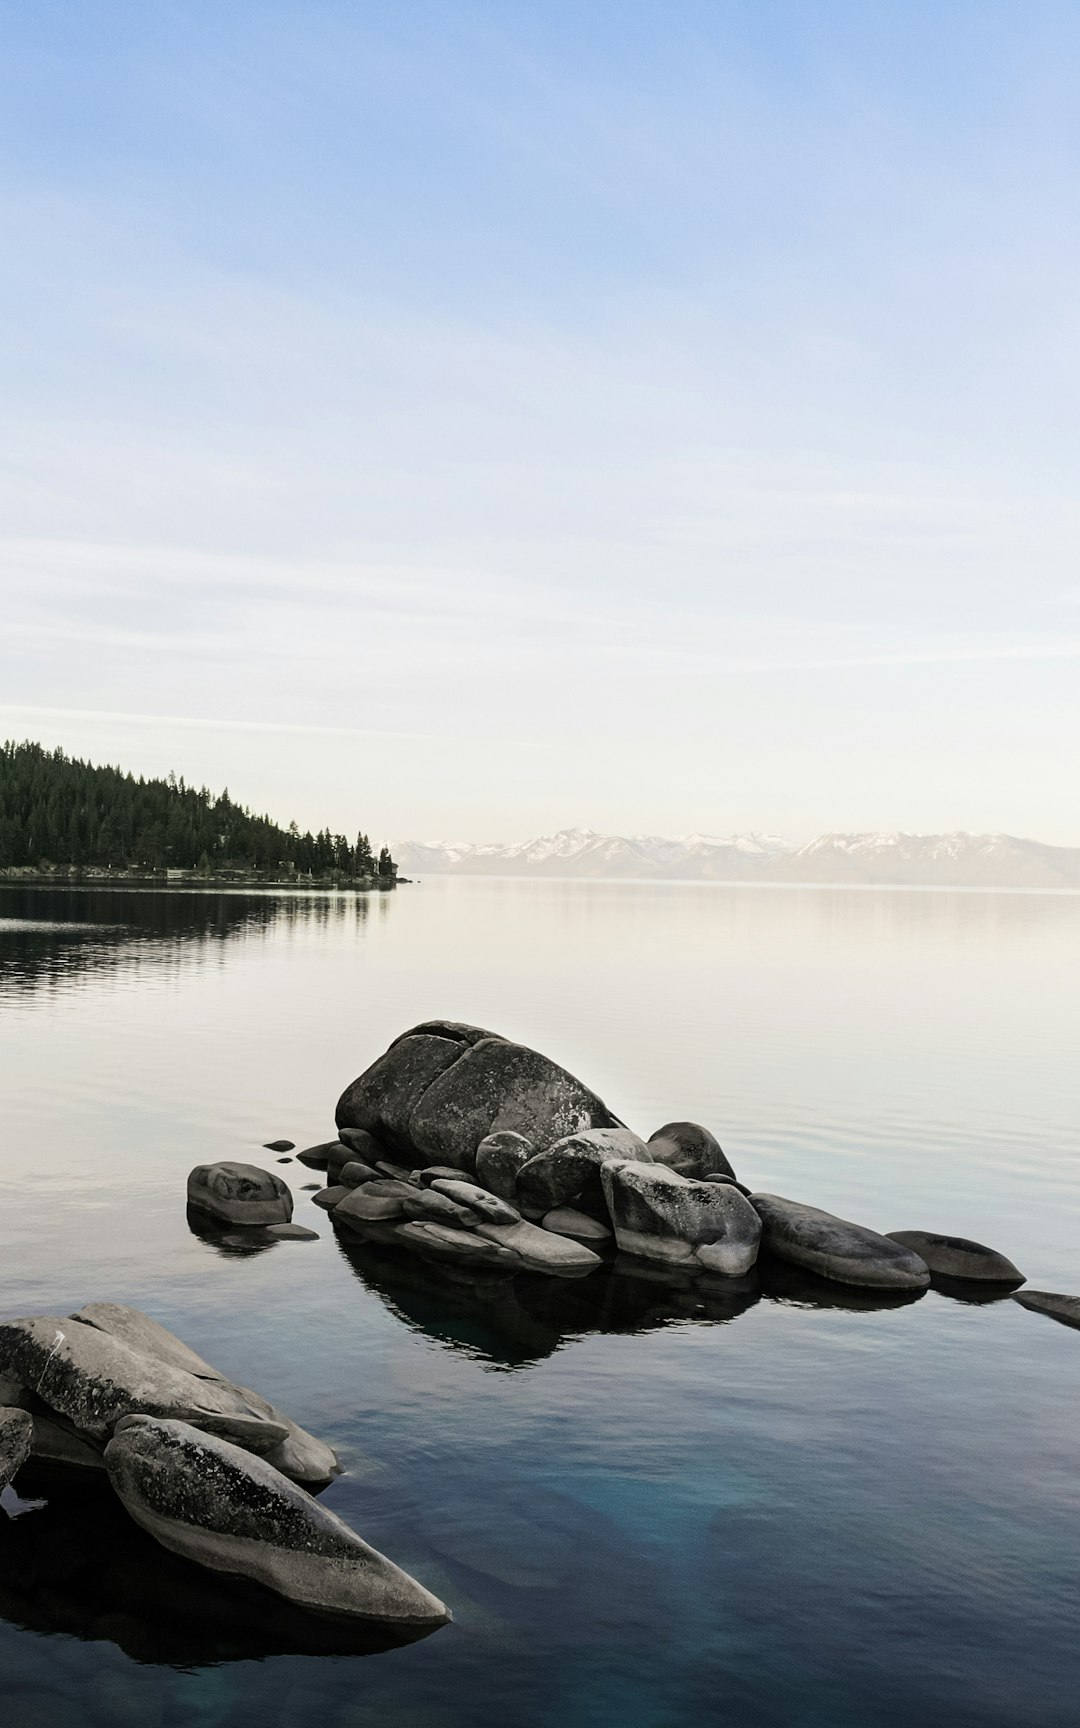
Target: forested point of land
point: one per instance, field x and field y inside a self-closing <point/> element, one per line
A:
<point x="57" y="813"/>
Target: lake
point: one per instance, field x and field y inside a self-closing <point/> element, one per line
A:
<point x="799" y="1508"/>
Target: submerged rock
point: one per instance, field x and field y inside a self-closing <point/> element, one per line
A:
<point x="279" y="1145"/>
<point x="499" y="1157"/>
<point x="291" y="1233"/>
<point x="239" y="1193"/>
<point x="16" y="1438"/>
<point x="835" y="1248"/>
<point x="1058" y="1307"/>
<point x="571" y="1169"/>
<point x="956" y="1257"/>
<point x="215" y="1504"/>
<point x="441" y="1089"/>
<point x="690" y="1149"/>
<point x="661" y="1215"/>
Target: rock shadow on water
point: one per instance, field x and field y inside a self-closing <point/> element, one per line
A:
<point x="509" y="1320"/>
<point x="77" y="1566"/>
<point x="781" y="1281"/>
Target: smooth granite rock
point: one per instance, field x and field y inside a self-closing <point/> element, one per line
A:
<point x="486" y="1206"/>
<point x="362" y="1144"/>
<point x="570" y="1170"/>
<point x="442" y="1173"/>
<point x="660" y="1215"/>
<point x="368" y="1207"/>
<point x="111" y="1361"/>
<point x="355" y="1173"/>
<point x="216" y="1505"/>
<point x="16" y="1439"/>
<point x="541" y="1250"/>
<point x="428" y="1203"/>
<point x="565" y="1221"/>
<point x="291" y="1233"/>
<point x="393" y="1172"/>
<point x="239" y="1194"/>
<point x="279" y="1145"/>
<point x="956" y="1257"/>
<point x="499" y="1157"/>
<point x="316" y="1157"/>
<point x="834" y="1248"/>
<point x="690" y="1149"/>
<point x="441" y="1089"/>
<point x="445" y="1242"/>
<point x="328" y="1198"/>
<point x="1058" y="1307"/>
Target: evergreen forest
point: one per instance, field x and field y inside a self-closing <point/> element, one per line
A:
<point x="58" y="813"/>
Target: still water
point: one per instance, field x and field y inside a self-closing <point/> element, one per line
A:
<point x="800" y="1509"/>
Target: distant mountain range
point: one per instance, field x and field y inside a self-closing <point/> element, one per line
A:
<point x="898" y="860"/>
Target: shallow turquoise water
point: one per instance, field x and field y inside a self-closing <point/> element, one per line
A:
<point x="650" y="1509"/>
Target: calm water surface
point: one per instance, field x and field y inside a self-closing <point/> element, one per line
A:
<point x="795" y="1508"/>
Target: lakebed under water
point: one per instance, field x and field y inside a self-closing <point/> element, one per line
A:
<point x="802" y="1508"/>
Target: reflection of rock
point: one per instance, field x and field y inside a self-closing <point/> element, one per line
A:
<point x="664" y="1216"/>
<point x="239" y="1194"/>
<point x="956" y="1257"/>
<point x="1063" y="1308"/>
<point x="82" y="1568"/>
<point x="835" y="1248"/>
<point x="690" y="1149"/>
<point x="441" y="1089"/>
<point x="16" y="1435"/>
<point x="211" y="1502"/>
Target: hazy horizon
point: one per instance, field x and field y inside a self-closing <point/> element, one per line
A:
<point x="496" y="419"/>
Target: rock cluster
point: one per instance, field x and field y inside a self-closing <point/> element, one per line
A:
<point x="209" y="1468"/>
<point x="459" y="1145"/>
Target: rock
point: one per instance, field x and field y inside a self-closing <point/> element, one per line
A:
<point x="499" y="1157"/>
<point x="279" y="1145"/>
<point x="216" y="1505"/>
<point x="315" y="1157"/>
<point x="16" y="1439"/>
<point x="446" y="1243"/>
<point x="956" y="1257"/>
<point x="572" y="1167"/>
<point x="440" y="1209"/>
<point x="354" y="1174"/>
<point x="660" y="1215"/>
<point x="442" y="1172"/>
<point x="564" y="1221"/>
<point x="727" y="1182"/>
<point x="239" y="1194"/>
<point x="1063" y="1308"/>
<point x="292" y="1233"/>
<point x="441" y="1089"/>
<point x="310" y="1187"/>
<point x="485" y="1205"/>
<point x="57" y="1442"/>
<point x="328" y="1198"/>
<point x="397" y="1172"/>
<point x="340" y="1157"/>
<point x="541" y="1250"/>
<point x="284" y="1160"/>
<point x="89" y="1377"/>
<point x="362" y="1144"/>
<point x="367" y="1206"/>
<point x="835" y="1248"/>
<point x="690" y="1149"/>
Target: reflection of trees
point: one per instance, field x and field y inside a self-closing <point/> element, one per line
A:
<point x="79" y="1566"/>
<point x="67" y="935"/>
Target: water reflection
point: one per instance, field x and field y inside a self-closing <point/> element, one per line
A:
<point x="79" y="1566"/>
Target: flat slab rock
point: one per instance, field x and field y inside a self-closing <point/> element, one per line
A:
<point x="539" y="1249"/>
<point x="565" y="1221"/>
<point x="486" y="1206"/>
<point x="957" y="1257"/>
<point x="1058" y="1307"/>
<point x="835" y="1248"/>
<point x="217" y="1505"/>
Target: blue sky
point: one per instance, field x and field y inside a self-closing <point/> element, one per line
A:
<point x="478" y="419"/>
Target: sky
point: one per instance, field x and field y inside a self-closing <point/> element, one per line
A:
<point x="472" y="418"/>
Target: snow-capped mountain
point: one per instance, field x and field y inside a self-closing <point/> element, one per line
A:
<point x="903" y="860"/>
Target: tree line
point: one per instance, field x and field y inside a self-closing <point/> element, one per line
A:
<point x="57" y="812"/>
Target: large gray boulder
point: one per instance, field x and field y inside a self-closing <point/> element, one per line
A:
<point x="690" y="1149"/>
<point x="215" y="1504"/>
<point x="570" y="1171"/>
<point x="239" y="1193"/>
<point x="16" y="1438"/>
<point x="91" y="1372"/>
<point x="1058" y="1307"/>
<point x="441" y="1089"/>
<point x="834" y="1248"/>
<point x="660" y="1215"/>
<point x="956" y="1257"/>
